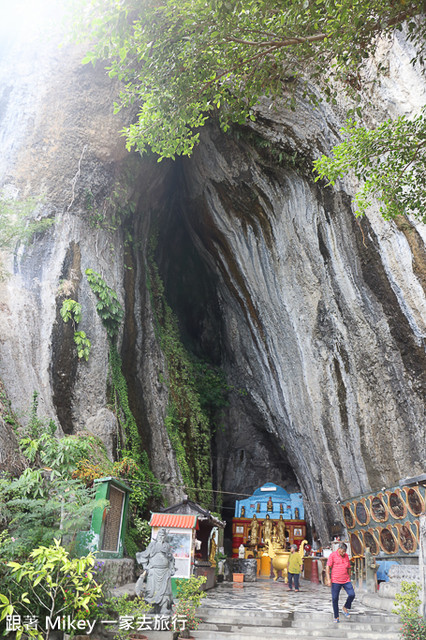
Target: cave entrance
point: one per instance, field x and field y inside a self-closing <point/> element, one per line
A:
<point x="244" y="451"/>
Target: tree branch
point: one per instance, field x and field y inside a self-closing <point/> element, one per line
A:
<point x="319" y="37"/>
<point x="416" y="151"/>
<point x="277" y="44"/>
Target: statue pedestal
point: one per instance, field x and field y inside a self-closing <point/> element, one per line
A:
<point x="248" y="567"/>
<point x="204" y="568"/>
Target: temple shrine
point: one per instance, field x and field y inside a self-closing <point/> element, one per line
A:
<point x="271" y="513"/>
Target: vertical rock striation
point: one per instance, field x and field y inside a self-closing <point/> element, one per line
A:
<point x="61" y="144"/>
<point x="316" y="329"/>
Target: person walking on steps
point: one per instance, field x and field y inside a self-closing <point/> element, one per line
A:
<point x="340" y="566"/>
<point x="294" y="567"/>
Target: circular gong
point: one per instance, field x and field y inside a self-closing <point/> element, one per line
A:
<point x="378" y="509"/>
<point x="361" y="512"/>
<point x="388" y="541"/>
<point x="414" y="502"/>
<point x="397" y="505"/>
<point x="356" y="545"/>
<point x="349" y="518"/>
<point x="371" y="542"/>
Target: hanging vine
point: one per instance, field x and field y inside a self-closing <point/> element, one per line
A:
<point x="187" y="420"/>
<point x="108" y="307"/>
<point x="71" y="310"/>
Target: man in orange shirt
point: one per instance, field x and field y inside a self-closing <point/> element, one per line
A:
<point x="340" y="566"/>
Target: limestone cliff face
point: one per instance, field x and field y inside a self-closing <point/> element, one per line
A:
<point x="61" y="144"/>
<point x="318" y="320"/>
<point x="313" y="330"/>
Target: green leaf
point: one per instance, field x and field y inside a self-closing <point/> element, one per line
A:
<point x="178" y="59"/>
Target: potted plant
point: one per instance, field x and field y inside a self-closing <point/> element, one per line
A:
<point x="189" y="598"/>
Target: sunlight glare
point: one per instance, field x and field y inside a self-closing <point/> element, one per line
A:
<point x="26" y="17"/>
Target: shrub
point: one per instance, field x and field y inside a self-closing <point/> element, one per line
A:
<point x="407" y="606"/>
<point x="190" y="596"/>
<point x="50" y="585"/>
<point x="45" y="502"/>
<point x="131" y="609"/>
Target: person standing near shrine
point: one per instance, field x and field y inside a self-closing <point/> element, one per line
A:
<point x="295" y="562"/>
<point x="340" y="566"/>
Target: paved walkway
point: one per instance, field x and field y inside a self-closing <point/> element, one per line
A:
<point x="273" y="598"/>
<point x="267" y="595"/>
<point x="267" y="609"/>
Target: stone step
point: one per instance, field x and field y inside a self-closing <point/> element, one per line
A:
<point x="331" y="630"/>
<point x="359" y="624"/>
<point x="245" y="624"/>
<point x="281" y="623"/>
<point x="355" y="616"/>
<point x="249" y="633"/>
<point x="249" y="617"/>
<point x="315" y="629"/>
<point x="269" y="613"/>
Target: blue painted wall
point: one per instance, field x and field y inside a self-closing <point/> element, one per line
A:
<point x="292" y="504"/>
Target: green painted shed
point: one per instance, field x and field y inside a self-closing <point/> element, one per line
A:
<point x="106" y="535"/>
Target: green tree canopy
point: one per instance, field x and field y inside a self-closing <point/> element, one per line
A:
<point x="184" y="62"/>
<point x="390" y="161"/>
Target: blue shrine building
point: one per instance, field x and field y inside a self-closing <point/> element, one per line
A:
<point x="272" y="499"/>
<point x="269" y="502"/>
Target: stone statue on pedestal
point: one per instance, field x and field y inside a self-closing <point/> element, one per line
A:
<point x="370" y="571"/>
<point x="159" y="565"/>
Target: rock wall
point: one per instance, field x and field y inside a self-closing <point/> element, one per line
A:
<point x="317" y="319"/>
<point x="61" y="145"/>
<point x="313" y="329"/>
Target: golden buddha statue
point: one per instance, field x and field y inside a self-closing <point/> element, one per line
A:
<point x="280" y="526"/>
<point x="267" y="529"/>
<point x="212" y="554"/>
<point x="254" y="531"/>
<point x="275" y="541"/>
